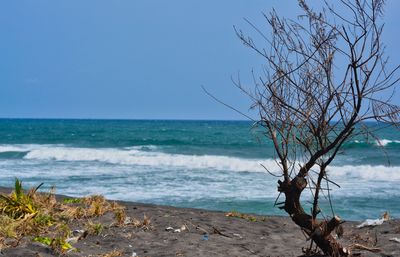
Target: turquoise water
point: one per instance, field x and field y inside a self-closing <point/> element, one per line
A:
<point x="203" y="164"/>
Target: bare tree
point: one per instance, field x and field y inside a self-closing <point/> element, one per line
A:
<point x="325" y="74"/>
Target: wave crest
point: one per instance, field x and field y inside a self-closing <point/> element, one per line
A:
<point x="151" y="156"/>
<point x="132" y="156"/>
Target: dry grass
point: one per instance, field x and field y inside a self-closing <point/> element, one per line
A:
<point x="120" y="216"/>
<point x="239" y="215"/>
<point x="7" y="227"/>
<point x="42" y="217"/>
<point x="144" y="224"/>
<point x="113" y="253"/>
<point x="94" y="228"/>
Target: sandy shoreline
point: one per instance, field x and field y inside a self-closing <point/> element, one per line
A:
<point x="206" y="233"/>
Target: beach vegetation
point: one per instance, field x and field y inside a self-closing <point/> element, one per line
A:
<point x="7" y="227"/>
<point x="325" y="76"/>
<point x="96" y="205"/>
<point x="72" y="200"/>
<point x="113" y="253"/>
<point x="120" y="216"/>
<point x="248" y="217"/>
<point x="144" y="224"/>
<point x="57" y="244"/>
<point x="44" y="220"/>
<point x="41" y="217"/>
<point x="18" y="204"/>
<point x="94" y="228"/>
<point x="43" y="239"/>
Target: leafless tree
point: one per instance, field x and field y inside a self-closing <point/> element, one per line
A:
<point x="325" y="75"/>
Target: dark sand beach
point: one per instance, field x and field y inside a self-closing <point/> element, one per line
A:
<point x="206" y="233"/>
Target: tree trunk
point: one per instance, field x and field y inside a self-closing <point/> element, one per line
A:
<point x="319" y="232"/>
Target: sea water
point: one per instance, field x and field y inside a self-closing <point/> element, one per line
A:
<point x="203" y="164"/>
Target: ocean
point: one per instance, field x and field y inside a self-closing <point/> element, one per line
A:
<point x="213" y="165"/>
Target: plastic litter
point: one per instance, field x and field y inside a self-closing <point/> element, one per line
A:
<point x="205" y="237"/>
<point x="237" y="235"/>
<point x="369" y="222"/>
<point x="376" y="222"/>
<point x="72" y="240"/>
<point x="127" y="221"/>
<point x="395" y="239"/>
<point x="78" y="232"/>
<point x="77" y="235"/>
<point x="177" y="230"/>
<point x="134" y="254"/>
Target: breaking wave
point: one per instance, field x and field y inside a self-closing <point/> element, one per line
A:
<point x="151" y="156"/>
<point x="141" y="155"/>
<point x="374" y="143"/>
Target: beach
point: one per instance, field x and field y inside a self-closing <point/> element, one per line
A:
<point x="175" y="231"/>
<point x="200" y="128"/>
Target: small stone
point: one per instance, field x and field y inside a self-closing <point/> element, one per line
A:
<point x="237" y="235"/>
<point x="78" y="232"/>
<point x="169" y="229"/>
<point x="10" y="242"/>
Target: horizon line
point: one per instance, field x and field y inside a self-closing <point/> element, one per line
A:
<point x="138" y="119"/>
<point x="120" y="119"/>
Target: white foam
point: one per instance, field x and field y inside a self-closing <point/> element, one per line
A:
<point x="12" y="148"/>
<point x="366" y="172"/>
<point x="142" y="147"/>
<point x="24" y="147"/>
<point x="142" y="175"/>
<point x="379" y="142"/>
<point x="385" y="142"/>
<point x="146" y="158"/>
<point x="134" y="156"/>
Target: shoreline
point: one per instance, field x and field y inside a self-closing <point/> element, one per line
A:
<point x="175" y="231"/>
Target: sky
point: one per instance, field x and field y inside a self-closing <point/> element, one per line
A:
<point x="134" y="59"/>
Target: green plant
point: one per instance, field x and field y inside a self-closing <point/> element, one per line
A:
<point x="44" y="220"/>
<point x="18" y="204"/>
<point x="237" y="214"/>
<point x="94" y="228"/>
<point x="43" y="239"/>
<point x="72" y="200"/>
<point x="58" y="244"/>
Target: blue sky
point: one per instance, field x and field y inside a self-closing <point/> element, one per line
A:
<point x="133" y="59"/>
